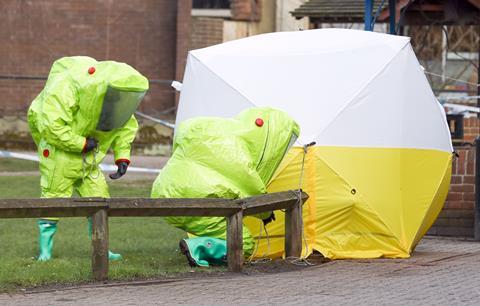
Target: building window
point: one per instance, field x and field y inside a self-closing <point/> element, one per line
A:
<point x="211" y="4"/>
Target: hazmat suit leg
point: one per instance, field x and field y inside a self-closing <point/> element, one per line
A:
<point x="52" y="186"/>
<point x="61" y="173"/>
<point x="204" y="249"/>
<point x="95" y="186"/>
<point x="47" y="229"/>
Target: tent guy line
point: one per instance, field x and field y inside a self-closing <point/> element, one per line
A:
<point x="450" y="78"/>
<point x="104" y="167"/>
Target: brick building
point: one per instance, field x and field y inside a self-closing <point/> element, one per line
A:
<point x="458" y="215"/>
<point x="217" y="21"/>
<point x="154" y="36"/>
<point x="150" y="35"/>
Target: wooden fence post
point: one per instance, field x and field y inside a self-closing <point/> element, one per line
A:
<point x="235" y="242"/>
<point x="100" y="245"/>
<point x="293" y="231"/>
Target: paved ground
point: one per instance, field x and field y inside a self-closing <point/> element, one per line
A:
<point x="441" y="272"/>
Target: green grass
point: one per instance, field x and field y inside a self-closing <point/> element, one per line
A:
<point x="15" y="165"/>
<point x="148" y="245"/>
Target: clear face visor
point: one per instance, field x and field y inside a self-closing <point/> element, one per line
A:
<point x="118" y="107"/>
<point x="293" y="139"/>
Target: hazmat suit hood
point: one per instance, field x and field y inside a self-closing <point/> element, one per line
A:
<point x="70" y="106"/>
<point x="110" y="91"/>
<point x="246" y="149"/>
<point x="224" y="158"/>
<point x="275" y="131"/>
<point x="85" y="82"/>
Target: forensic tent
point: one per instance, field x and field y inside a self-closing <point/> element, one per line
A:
<point x="379" y="171"/>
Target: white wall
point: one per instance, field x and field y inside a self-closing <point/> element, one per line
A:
<point x="285" y="21"/>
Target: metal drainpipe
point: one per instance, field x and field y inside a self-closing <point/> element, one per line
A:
<point x="392" y="10"/>
<point x="478" y="78"/>
<point x="368" y="14"/>
<point x="476" y="224"/>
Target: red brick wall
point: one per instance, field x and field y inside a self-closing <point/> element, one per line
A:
<point x="184" y="24"/>
<point x="456" y="218"/>
<point x="246" y="10"/>
<point x="142" y="33"/>
<point x="471" y="129"/>
<point x="206" y="31"/>
<point x="184" y="21"/>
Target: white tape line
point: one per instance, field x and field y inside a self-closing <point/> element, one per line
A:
<point x="104" y="167"/>
<point x="108" y="168"/>
<point x="462" y="108"/>
<point x="19" y="155"/>
<point x="160" y="121"/>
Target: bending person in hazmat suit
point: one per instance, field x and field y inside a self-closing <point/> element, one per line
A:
<point x="85" y="109"/>
<point x="223" y="158"/>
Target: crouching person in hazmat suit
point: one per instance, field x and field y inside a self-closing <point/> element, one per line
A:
<point x="223" y="158"/>
<point x="85" y="108"/>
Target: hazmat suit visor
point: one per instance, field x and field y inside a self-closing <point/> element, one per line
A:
<point x="118" y="106"/>
<point x="293" y="140"/>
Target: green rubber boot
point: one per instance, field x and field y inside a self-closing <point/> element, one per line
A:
<point x="47" y="229"/>
<point x="111" y="256"/>
<point x="204" y="251"/>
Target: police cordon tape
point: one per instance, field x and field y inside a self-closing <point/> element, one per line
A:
<point x="156" y="120"/>
<point x="104" y="167"/>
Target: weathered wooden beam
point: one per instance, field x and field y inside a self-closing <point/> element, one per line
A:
<point x="76" y="207"/>
<point x="100" y="245"/>
<point x="235" y="242"/>
<point x="270" y="202"/>
<point x="53" y="207"/>
<point x="51" y="202"/>
<point x="100" y="209"/>
<point x="293" y="230"/>
<point x="172" y="207"/>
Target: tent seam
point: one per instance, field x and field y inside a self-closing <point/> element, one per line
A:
<point x="366" y="202"/>
<point x="222" y="79"/>
<point x="362" y="89"/>
<point x="436" y="191"/>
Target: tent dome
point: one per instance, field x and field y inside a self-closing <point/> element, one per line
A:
<point x="380" y="170"/>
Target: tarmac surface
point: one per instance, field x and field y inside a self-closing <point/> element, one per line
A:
<point x="440" y="272"/>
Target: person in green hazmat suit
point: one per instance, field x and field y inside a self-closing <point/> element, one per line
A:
<point x="85" y="108"/>
<point x="223" y="158"/>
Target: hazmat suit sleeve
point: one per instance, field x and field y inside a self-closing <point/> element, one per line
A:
<point x="122" y="144"/>
<point x="60" y="104"/>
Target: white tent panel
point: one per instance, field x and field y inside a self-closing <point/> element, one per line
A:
<point x="397" y="109"/>
<point x="344" y="87"/>
<point x="302" y="43"/>
<point x="205" y="94"/>
<point x="311" y="83"/>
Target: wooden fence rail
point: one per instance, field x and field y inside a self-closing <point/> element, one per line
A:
<point x="100" y="209"/>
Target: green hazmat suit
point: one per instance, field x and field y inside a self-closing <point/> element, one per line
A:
<point x="80" y="96"/>
<point x="224" y="158"/>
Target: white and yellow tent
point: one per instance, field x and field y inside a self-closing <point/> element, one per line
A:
<point x="380" y="170"/>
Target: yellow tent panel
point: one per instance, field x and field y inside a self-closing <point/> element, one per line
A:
<point x="364" y="202"/>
